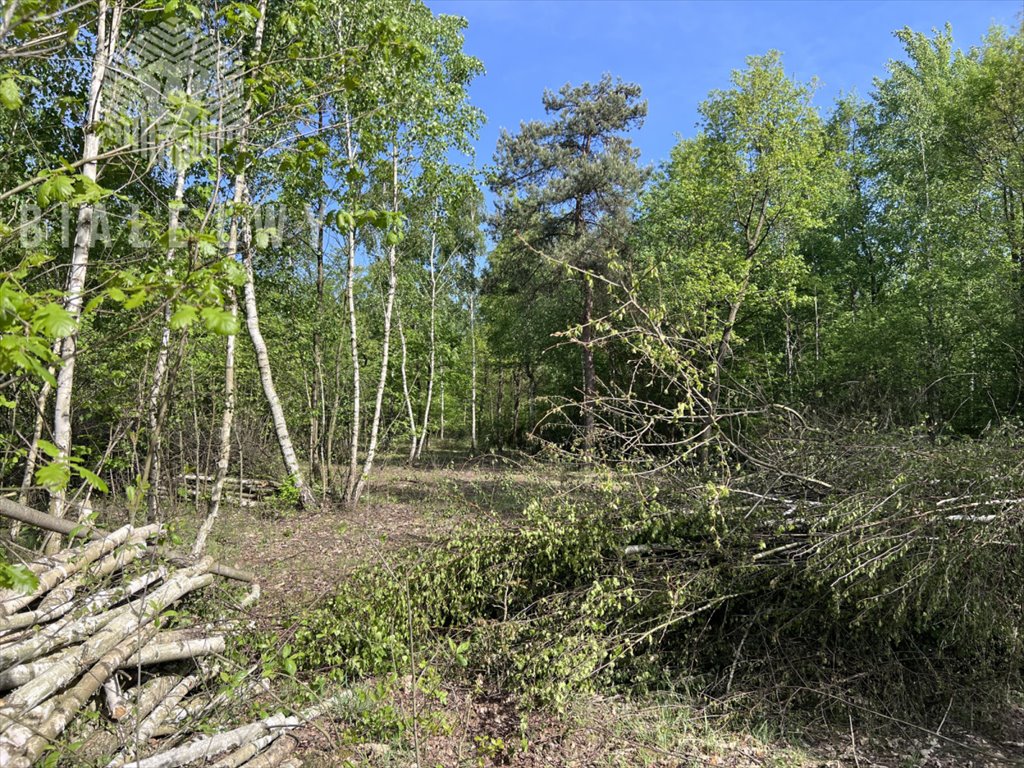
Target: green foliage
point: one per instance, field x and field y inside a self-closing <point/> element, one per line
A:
<point x="897" y="578"/>
<point x="17" y="577"/>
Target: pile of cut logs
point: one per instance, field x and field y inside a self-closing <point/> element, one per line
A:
<point x="244" y="491"/>
<point x="101" y="634"/>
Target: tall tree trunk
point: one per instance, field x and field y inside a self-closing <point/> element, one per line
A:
<point x="226" y="424"/>
<point x="332" y="420"/>
<point x="315" y="420"/>
<point x="106" y="41"/>
<point x="350" y="295"/>
<point x="498" y="396"/>
<point x="252" y="322"/>
<point x="389" y="305"/>
<point x="514" y="434"/>
<point x="432" y="360"/>
<point x="472" y="374"/>
<point x="156" y="392"/>
<point x="151" y="465"/>
<point x="531" y="411"/>
<point x="413" y="442"/>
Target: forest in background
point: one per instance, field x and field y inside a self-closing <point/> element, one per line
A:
<point x="789" y="359"/>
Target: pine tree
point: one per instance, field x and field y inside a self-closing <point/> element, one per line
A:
<point x="565" y="187"/>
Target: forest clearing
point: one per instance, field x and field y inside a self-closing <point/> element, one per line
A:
<point x="340" y="428"/>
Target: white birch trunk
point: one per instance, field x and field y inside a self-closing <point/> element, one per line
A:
<point x="106" y="40"/>
<point x="37" y="434"/>
<point x="252" y="320"/>
<point x="433" y="345"/>
<point x="353" y="459"/>
<point x="405" y="387"/>
<point x="389" y="305"/>
<point x="472" y="377"/>
<point x="284" y="440"/>
<point x="227" y="420"/>
<point x="151" y="475"/>
<point x="210" y="746"/>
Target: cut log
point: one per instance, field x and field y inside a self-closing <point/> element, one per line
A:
<point x="153" y="692"/>
<point x="96" y="603"/>
<point x="64" y="670"/>
<point x="160" y="652"/>
<point x="25" y="673"/>
<point x="22" y="744"/>
<point x="210" y="746"/>
<point x="15" y="511"/>
<point x="49" y="579"/>
<point x="246" y="752"/>
<point x="114" y="700"/>
<point x="115" y="561"/>
<point x="275" y="754"/>
<point x="104" y="743"/>
<point x="251" y="597"/>
<point x="66" y="632"/>
<point x="147" y="727"/>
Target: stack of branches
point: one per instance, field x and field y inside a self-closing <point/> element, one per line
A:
<point x="833" y="564"/>
<point x="104" y="629"/>
<point x="887" y="560"/>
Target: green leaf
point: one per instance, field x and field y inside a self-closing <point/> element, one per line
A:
<point x="53" y="476"/>
<point x="10" y="94"/>
<point x="18" y="577"/>
<point x="92" y="479"/>
<point x="183" y="317"/>
<point x="220" y="321"/>
<point x="136" y="300"/>
<point x="49" y="449"/>
<point x="54" y="321"/>
<point x="62" y="188"/>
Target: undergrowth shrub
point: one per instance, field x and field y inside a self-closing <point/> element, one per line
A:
<point x="874" y="571"/>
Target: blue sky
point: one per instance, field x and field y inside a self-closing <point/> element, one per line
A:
<point x="678" y="51"/>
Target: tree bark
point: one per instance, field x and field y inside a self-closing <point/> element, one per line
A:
<point x="210" y="746"/>
<point x="227" y="421"/>
<point x="316" y="459"/>
<point x="252" y="321"/>
<point x="145" y="729"/>
<point x="350" y="295"/>
<point x="514" y="432"/>
<point x="157" y="652"/>
<point x="589" y="374"/>
<point x="67" y="706"/>
<point x="389" y="305"/>
<point x="284" y="441"/>
<point x="157" y="395"/>
<point x="405" y="387"/>
<point x="106" y="41"/>
<point x="472" y="375"/>
<point x="432" y="358"/>
<point x="37" y="434"/>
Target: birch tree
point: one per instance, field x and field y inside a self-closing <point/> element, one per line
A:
<point x="108" y="28"/>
